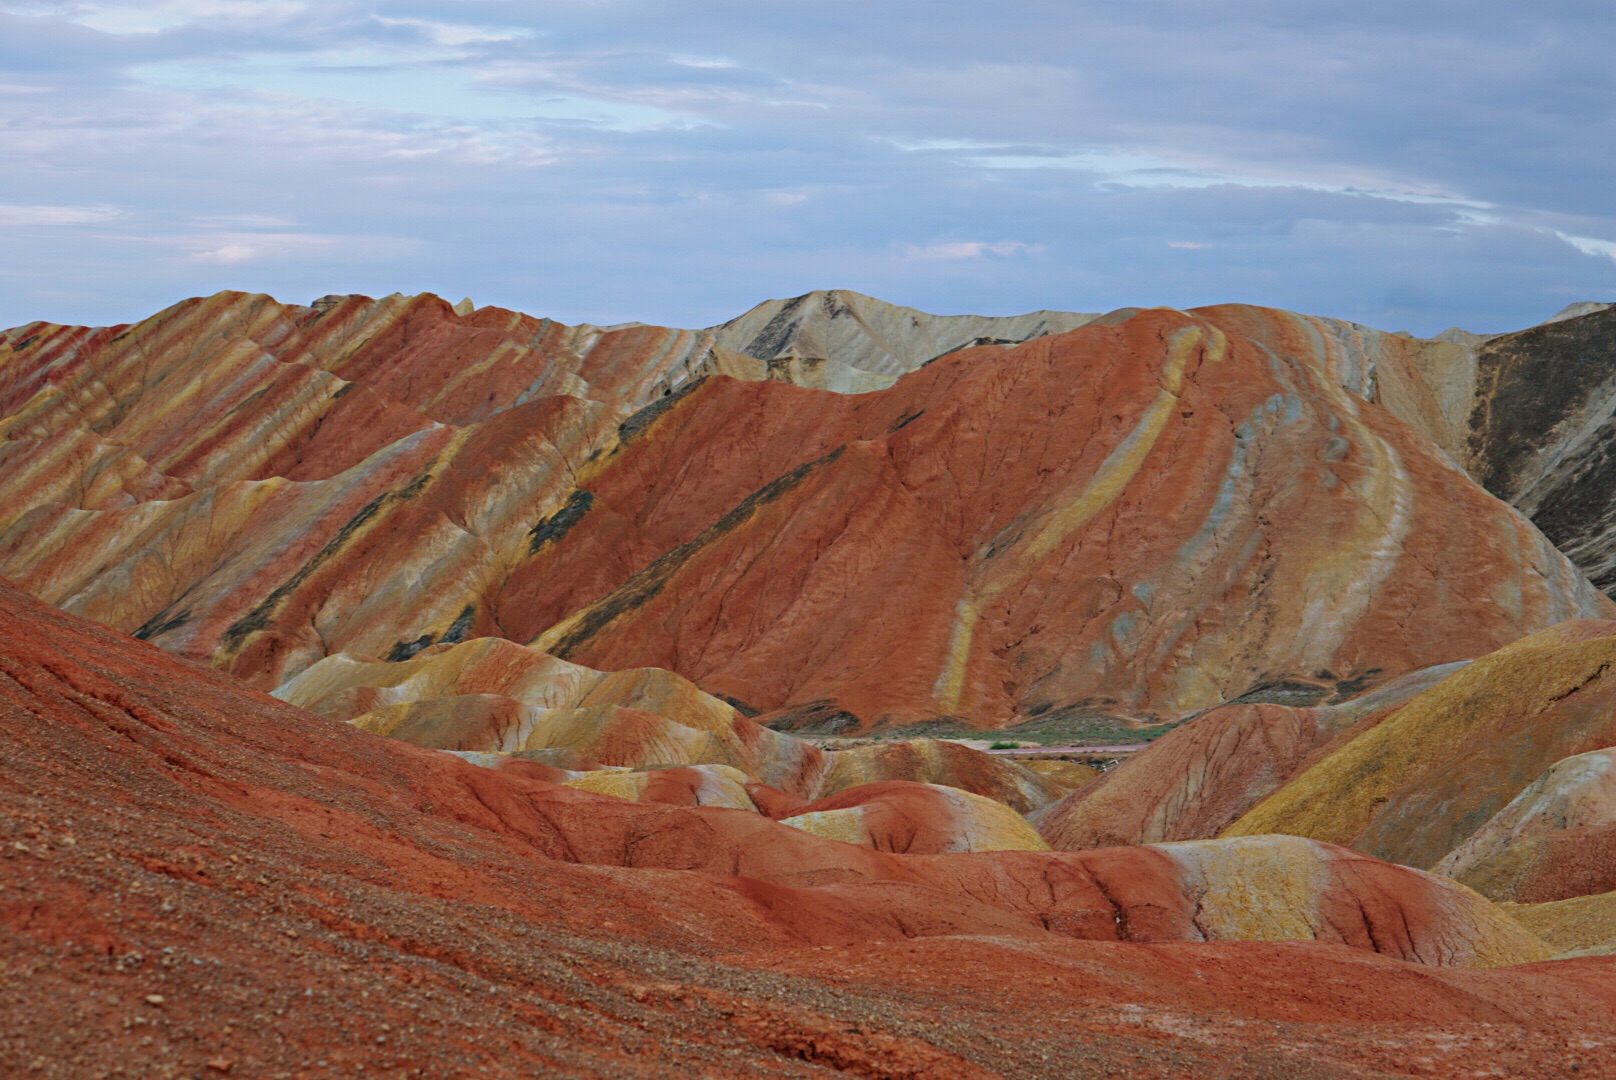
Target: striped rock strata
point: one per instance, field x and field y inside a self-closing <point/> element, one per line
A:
<point x="670" y="785"/>
<point x="224" y="749"/>
<point x="1475" y="764"/>
<point x="916" y="819"/>
<point x="1541" y="432"/>
<point x="694" y="785"/>
<point x="1197" y="779"/>
<point x="1150" y="515"/>
<point x="340" y="889"/>
<point x="1579" y="926"/>
<point x="1457" y="768"/>
<point x="1556" y="839"/>
<point x="1531" y="415"/>
<point x="490" y="697"/>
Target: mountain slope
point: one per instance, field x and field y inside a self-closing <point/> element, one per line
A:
<point x="201" y="874"/>
<point x="842" y="340"/>
<point x="1542" y="432"/>
<point x="1425" y="779"/>
<point x="1149" y="515"/>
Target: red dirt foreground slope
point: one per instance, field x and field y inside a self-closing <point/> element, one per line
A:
<point x="201" y="880"/>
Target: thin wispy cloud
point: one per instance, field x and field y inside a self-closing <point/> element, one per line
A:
<point x="971" y="249"/>
<point x="226" y="248"/>
<point x="1590" y="245"/>
<point x="54" y="216"/>
<point x="1408" y="166"/>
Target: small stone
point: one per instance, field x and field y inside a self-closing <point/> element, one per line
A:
<point x="156" y="999"/>
<point x="220" y="1064"/>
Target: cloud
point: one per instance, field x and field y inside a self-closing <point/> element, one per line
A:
<point x="1395" y="164"/>
<point x="226" y="248"/>
<point x="152" y="16"/>
<point x="453" y="35"/>
<point x="13" y="216"/>
<point x="1589" y="245"/>
<point x="971" y="249"/>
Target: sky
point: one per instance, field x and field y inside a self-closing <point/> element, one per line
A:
<point x="1408" y="166"/>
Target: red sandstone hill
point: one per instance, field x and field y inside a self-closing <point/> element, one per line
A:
<point x="1149" y="515"/>
<point x="200" y="878"/>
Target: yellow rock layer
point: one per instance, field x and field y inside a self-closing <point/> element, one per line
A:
<point x="1581" y="926"/>
<point x="1280" y="888"/>
<point x="1337" y="798"/>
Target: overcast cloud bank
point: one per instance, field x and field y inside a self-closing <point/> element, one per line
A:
<point x="676" y="163"/>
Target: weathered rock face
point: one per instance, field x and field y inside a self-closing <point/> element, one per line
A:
<point x="312" y="880"/>
<point x="841" y="340"/>
<point x="931" y="761"/>
<point x="694" y="785"/>
<point x="228" y="755"/>
<point x="1199" y="778"/>
<point x="1458" y="768"/>
<point x="1556" y="839"/>
<point x="1580" y="926"/>
<point x="1149" y="515"/>
<point x="1528" y="414"/>
<point x="1433" y="774"/>
<point x="1542" y="432"/>
<point x="438" y="524"/>
<point x="1278" y="887"/>
<point x="916" y="819"/>
<point x="491" y="699"/>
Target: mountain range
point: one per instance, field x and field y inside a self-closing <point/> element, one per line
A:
<point x="636" y="700"/>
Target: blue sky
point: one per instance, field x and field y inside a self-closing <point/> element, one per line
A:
<point x="1410" y="166"/>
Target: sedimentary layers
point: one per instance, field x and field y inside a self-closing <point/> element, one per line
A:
<point x="1556" y="839"/>
<point x="587" y="582"/>
<point x="1481" y="735"/>
<point x="1500" y="774"/>
<point x="1151" y="514"/>
<point x="1528" y="414"/>
<point x="268" y="902"/>
<point x="503" y="703"/>
<point x="1199" y="778"/>
<point x="1542" y="432"/>
<point x="1150" y="517"/>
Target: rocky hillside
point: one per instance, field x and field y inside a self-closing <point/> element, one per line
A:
<point x="1542" y="434"/>
<point x="555" y="620"/>
<point x="216" y="882"/>
<point x="841" y="340"/>
<point x="1152" y="514"/>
